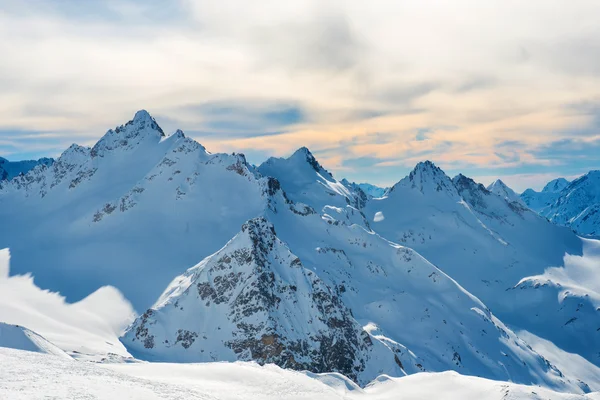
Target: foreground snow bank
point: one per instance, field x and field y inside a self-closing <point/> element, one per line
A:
<point x="89" y="327"/>
<point x="27" y="375"/>
<point x="18" y="337"/>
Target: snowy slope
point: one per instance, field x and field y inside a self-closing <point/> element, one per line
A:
<point x="140" y="207"/>
<point x="11" y="169"/>
<point x="499" y="188"/>
<point x="578" y="205"/>
<point x="254" y="300"/>
<point x="29" y="376"/>
<point x="21" y="338"/>
<point x="538" y="201"/>
<point x="305" y="181"/>
<point x="87" y="329"/>
<point x="138" y="203"/>
<point x="425" y="318"/>
<point x="488" y="245"/>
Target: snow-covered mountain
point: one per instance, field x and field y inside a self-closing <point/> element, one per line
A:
<point x="415" y="316"/>
<point x="490" y="246"/>
<point x="255" y="300"/>
<point x="538" y="201"/>
<point x="10" y="169"/>
<point x="321" y="276"/>
<point x="138" y="203"/>
<point x="577" y="205"/>
<point x="501" y="189"/>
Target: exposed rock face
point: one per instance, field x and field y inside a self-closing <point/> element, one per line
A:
<point x="253" y="300"/>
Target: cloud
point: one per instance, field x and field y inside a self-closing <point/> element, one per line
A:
<point x="496" y="82"/>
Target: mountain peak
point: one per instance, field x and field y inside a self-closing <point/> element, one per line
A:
<point x="305" y="154"/>
<point x="501" y="189"/>
<point x="141" y="128"/>
<point x="142" y="115"/>
<point x="556" y="185"/>
<point x="498" y="183"/>
<point x="427" y="177"/>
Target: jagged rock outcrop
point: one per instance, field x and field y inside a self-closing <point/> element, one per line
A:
<point x="254" y="300"/>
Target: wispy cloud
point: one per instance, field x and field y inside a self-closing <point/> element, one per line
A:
<point x="489" y="87"/>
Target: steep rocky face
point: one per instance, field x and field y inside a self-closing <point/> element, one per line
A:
<point x="253" y="300"/>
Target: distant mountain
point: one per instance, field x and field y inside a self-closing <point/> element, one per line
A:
<point x="577" y="205"/>
<point x="367" y="188"/>
<point x="10" y="169"/>
<point x="538" y="201"/>
<point x="501" y="189"/>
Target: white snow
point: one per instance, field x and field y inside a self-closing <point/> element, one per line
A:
<point x="28" y="376"/>
<point x="88" y="328"/>
<point x="132" y="213"/>
<point x="18" y="337"/>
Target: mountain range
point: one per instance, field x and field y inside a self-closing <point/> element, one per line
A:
<point x="282" y="263"/>
<point x="573" y="204"/>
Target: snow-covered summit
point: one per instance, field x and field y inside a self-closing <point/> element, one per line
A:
<point x="141" y="128"/>
<point x="427" y="178"/>
<point x="555" y="185"/>
<point x="501" y="189"/>
<point x="254" y="300"/>
<point x="305" y="181"/>
<point x="538" y="201"/>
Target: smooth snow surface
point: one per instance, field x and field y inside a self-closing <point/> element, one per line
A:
<point x="31" y="376"/>
<point x="18" y="337"/>
<point x="88" y="328"/>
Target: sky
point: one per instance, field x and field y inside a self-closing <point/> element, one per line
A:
<point x="507" y="89"/>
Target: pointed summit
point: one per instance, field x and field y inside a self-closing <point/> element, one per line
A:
<point x="142" y="115"/>
<point x="140" y="129"/>
<point x="427" y="178"/>
<point x="254" y="300"/>
<point x="501" y="189"/>
<point x="304" y="154"/>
